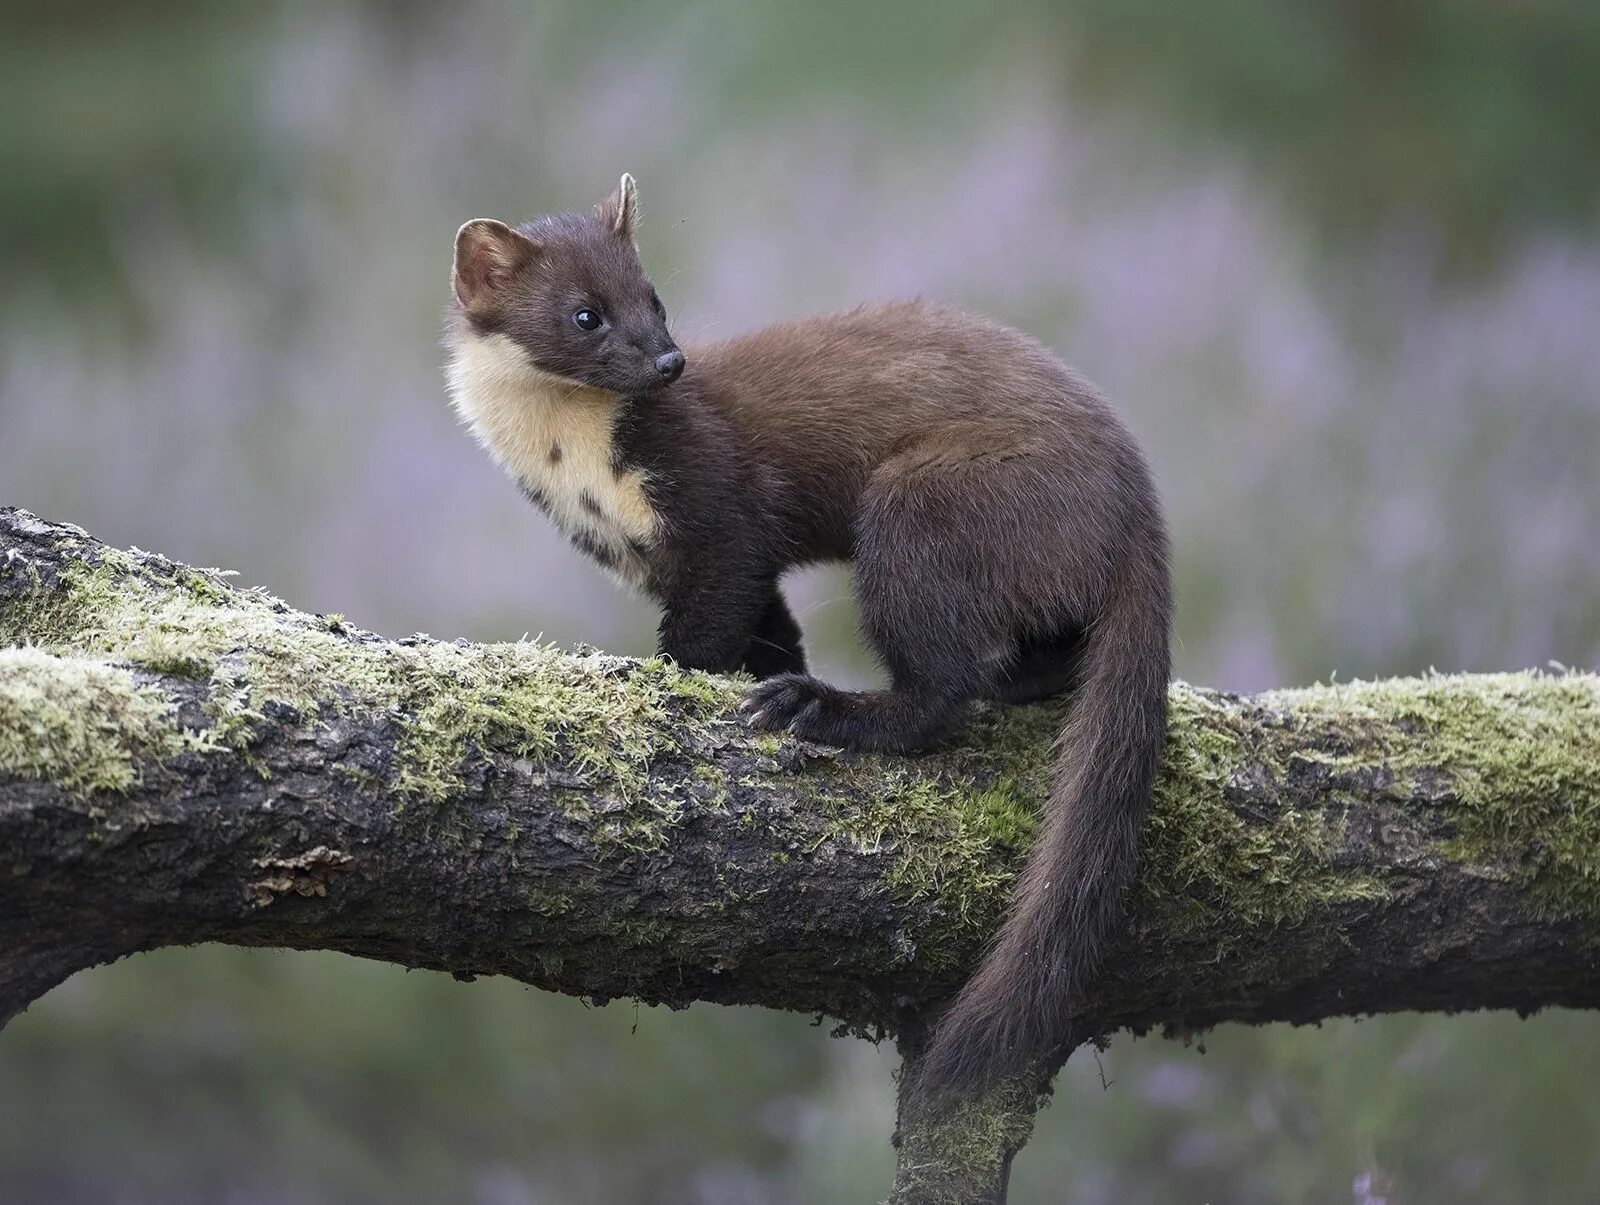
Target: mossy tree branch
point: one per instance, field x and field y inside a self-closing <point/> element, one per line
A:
<point x="185" y="761"/>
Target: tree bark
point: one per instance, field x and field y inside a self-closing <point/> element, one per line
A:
<point x="185" y="761"/>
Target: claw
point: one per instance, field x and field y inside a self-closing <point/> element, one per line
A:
<point x="804" y="716"/>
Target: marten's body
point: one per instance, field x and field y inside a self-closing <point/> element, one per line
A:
<point x="1005" y="538"/>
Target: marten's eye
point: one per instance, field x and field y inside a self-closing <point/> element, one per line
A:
<point x="655" y="300"/>
<point x="587" y="320"/>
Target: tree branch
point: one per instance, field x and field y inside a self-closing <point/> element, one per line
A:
<point x="184" y="761"/>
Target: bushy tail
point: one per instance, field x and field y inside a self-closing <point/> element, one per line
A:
<point x="1013" y="1012"/>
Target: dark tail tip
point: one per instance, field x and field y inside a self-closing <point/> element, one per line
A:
<point x="999" y="1027"/>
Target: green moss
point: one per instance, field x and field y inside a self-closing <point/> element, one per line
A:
<point x="1001" y="814"/>
<point x="712" y="775"/>
<point x="960" y="1156"/>
<point x="83" y="725"/>
<point x="552" y="903"/>
<point x="1209" y="871"/>
<point x="1208" y="868"/>
<point x="1500" y="771"/>
<point x="958" y="838"/>
<point x="208" y="586"/>
<point x="603" y="717"/>
<point x="703" y="693"/>
<point x="1508" y="765"/>
<point x="952" y="839"/>
<point x="45" y="615"/>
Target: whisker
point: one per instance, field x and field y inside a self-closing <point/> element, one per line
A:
<point x="827" y="602"/>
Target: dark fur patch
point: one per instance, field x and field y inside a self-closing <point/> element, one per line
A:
<point x="534" y="495"/>
<point x="554" y="455"/>
<point x="600" y="553"/>
<point x="590" y="505"/>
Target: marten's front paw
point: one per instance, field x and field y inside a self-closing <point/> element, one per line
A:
<point x="797" y="702"/>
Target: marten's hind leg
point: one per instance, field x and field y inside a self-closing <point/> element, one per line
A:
<point x="1042" y="668"/>
<point x="913" y="713"/>
<point x="894" y="720"/>
<point x="923" y="612"/>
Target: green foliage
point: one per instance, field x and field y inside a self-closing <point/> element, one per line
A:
<point x="1472" y="1109"/>
<point x="92" y="135"/>
<point x="318" y="1079"/>
<point x="1476" y="119"/>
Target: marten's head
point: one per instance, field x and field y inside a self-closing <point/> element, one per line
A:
<point x="568" y="290"/>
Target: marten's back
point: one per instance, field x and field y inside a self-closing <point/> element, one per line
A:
<point x="826" y="400"/>
<point x="871" y="377"/>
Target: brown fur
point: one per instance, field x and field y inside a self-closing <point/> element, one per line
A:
<point x="1006" y="540"/>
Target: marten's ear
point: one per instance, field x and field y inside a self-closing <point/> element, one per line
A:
<point x="620" y="210"/>
<point x="489" y="254"/>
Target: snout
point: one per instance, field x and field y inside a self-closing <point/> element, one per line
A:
<point x="669" y="365"/>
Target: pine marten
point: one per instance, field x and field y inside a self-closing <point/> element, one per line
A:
<point x="1006" y="540"/>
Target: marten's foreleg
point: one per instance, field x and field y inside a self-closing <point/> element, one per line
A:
<point x="923" y="612"/>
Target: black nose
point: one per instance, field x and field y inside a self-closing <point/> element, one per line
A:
<point x="670" y="365"/>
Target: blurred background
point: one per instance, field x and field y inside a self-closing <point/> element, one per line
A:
<point x="1339" y="263"/>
